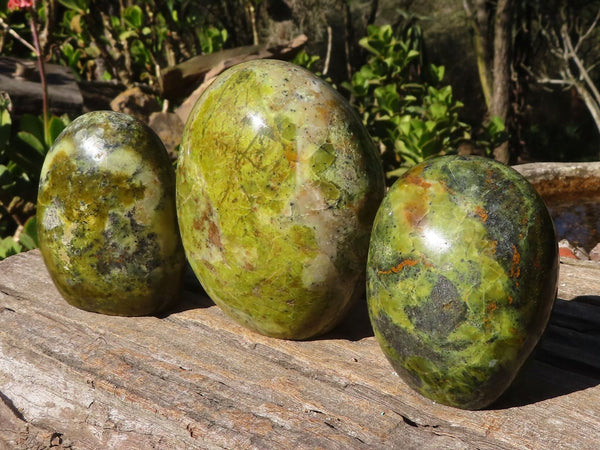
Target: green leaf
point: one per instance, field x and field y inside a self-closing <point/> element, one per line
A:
<point x="405" y="125"/>
<point x="430" y="125"/>
<point x="437" y="72"/>
<point x="346" y="86"/>
<point x="125" y="35"/>
<point x="27" y="242"/>
<point x="364" y="43"/>
<point x="212" y="39"/>
<point x="496" y="125"/>
<point x="396" y="172"/>
<point x="438" y="111"/>
<point x="92" y="51"/>
<point x="32" y="141"/>
<point x="412" y="54"/>
<point x="67" y="49"/>
<point x="9" y="247"/>
<point x="303" y="59"/>
<point x="134" y="16"/>
<point x="4" y="173"/>
<point x="5" y="128"/>
<point x="33" y="125"/>
<point x="75" y="23"/>
<point x="75" y="5"/>
<point x="29" y="237"/>
<point x="55" y="127"/>
<point x="5" y="118"/>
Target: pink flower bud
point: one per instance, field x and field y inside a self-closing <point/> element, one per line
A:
<point x="19" y="4"/>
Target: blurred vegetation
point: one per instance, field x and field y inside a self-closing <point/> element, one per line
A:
<point x="22" y="151"/>
<point x="131" y="42"/>
<point x="404" y="104"/>
<point x="125" y="41"/>
<point x="419" y="73"/>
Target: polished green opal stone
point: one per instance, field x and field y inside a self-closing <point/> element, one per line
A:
<point x="462" y="276"/>
<point x="277" y="186"/>
<point x="107" y="224"/>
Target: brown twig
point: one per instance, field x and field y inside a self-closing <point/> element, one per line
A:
<point x="252" y="13"/>
<point x="42" y="69"/>
<point x="583" y="72"/>
<point x="328" y="54"/>
<point x="348" y="38"/>
<point x="14" y="34"/>
<point x="588" y="32"/>
<point x="477" y="23"/>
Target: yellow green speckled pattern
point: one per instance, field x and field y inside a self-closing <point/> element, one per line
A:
<point x="277" y="186"/>
<point x="461" y="277"/>
<point x="106" y="217"/>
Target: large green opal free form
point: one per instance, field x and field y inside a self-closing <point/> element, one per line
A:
<point x="277" y="186"/>
<point x="107" y="224"/>
<point x="461" y="279"/>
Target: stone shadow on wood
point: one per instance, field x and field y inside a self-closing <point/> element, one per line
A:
<point x="567" y="359"/>
<point x="193" y="296"/>
<point x="355" y="326"/>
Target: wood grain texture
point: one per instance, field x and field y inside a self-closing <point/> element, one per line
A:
<point x="195" y="379"/>
<point x="26" y="94"/>
<point x="179" y="80"/>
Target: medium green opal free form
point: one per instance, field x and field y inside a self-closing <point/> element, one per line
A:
<point x="461" y="279"/>
<point x="277" y="186"/>
<point x="107" y="224"/>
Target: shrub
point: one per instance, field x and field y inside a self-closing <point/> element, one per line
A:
<point x="409" y="113"/>
<point x="22" y="152"/>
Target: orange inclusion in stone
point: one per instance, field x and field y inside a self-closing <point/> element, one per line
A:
<point x="481" y="213"/>
<point x="399" y="267"/>
<point x="515" y="270"/>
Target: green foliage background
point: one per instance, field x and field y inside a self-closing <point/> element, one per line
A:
<point x="410" y="74"/>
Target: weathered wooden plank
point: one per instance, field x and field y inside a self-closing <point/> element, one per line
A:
<point x="26" y="94"/>
<point x="179" y="80"/>
<point x="195" y="379"/>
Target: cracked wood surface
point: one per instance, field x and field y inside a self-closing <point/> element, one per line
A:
<point x="194" y="379"/>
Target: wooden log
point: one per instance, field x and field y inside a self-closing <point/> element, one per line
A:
<point x="20" y="79"/>
<point x="192" y="378"/>
<point x="179" y="80"/>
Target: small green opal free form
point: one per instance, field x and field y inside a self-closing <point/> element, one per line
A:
<point x="277" y="186"/>
<point x="461" y="279"/>
<point x="107" y="224"/>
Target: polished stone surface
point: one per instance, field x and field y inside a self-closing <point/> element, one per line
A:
<point x="461" y="277"/>
<point x="277" y="186"/>
<point x="107" y="224"/>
